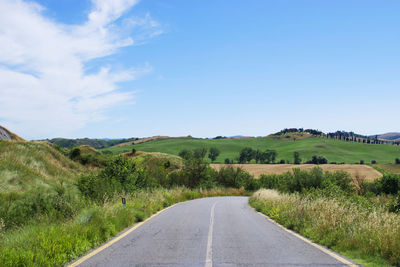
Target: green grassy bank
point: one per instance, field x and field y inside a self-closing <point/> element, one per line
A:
<point x="55" y="244"/>
<point x="360" y="229"/>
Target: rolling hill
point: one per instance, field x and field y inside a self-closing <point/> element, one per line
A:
<point x="26" y="166"/>
<point x="334" y="150"/>
<point x="390" y="136"/>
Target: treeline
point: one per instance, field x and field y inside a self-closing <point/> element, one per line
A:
<point x="336" y="183"/>
<point x="122" y="175"/>
<point x="353" y="137"/>
<point x="340" y="135"/>
<point x="269" y="156"/>
<point x="299" y="130"/>
<point x="96" y="143"/>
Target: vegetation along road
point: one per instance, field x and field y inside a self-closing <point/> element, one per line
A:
<point x="218" y="231"/>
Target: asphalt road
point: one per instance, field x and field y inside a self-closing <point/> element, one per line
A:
<point x="220" y="231"/>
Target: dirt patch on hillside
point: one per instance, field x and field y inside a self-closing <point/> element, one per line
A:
<point x="143" y="140"/>
<point x="363" y="172"/>
<point x="6" y="135"/>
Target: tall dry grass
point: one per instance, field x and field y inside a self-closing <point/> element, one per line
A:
<point x="343" y="223"/>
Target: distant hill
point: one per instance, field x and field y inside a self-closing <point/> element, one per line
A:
<point x="143" y="140"/>
<point x="334" y="150"/>
<point x="96" y="143"/>
<point x="390" y="136"/>
<point x="6" y="135"/>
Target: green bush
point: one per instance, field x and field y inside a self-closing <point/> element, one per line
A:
<point x="300" y="180"/>
<point x="235" y="177"/>
<point x="21" y="209"/>
<point x="119" y="176"/>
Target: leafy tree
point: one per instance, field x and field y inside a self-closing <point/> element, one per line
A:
<point x="317" y="160"/>
<point x="227" y="161"/>
<point x="270" y="156"/>
<point x="133" y="151"/>
<point x="184" y="153"/>
<point x="246" y="155"/>
<point x="397" y="161"/>
<point x="297" y="159"/>
<point x="200" y="153"/>
<point x="213" y="154"/>
<point x="390" y="184"/>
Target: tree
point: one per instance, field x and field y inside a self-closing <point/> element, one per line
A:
<point x="297" y="159"/>
<point x="397" y="161"/>
<point x="133" y="151"/>
<point x="270" y="156"/>
<point x="227" y="161"/>
<point x="246" y="155"/>
<point x="213" y="154"/>
<point x="185" y="154"/>
<point x="200" y="153"/>
<point x="258" y="155"/>
<point x="317" y="160"/>
<point x="390" y="184"/>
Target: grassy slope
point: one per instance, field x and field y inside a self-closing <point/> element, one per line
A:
<point x="28" y="165"/>
<point x="333" y="150"/>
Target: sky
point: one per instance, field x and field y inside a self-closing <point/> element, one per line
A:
<point x="129" y="68"/>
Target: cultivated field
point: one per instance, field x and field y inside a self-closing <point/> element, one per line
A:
<point x="393" y="168"/>
<point x="334" y="150"/>
<point x="364" y="172"/>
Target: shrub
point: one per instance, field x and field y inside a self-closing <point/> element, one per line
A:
<point x="120" y="175"/>
<point x="317" y="160"/>
<point x="234" y="177"/>
<point x="185" y="154"/>
<point x="390" y="184"/>
<point x="214" y="153"/>
<point x="297" y="159"/>
<point x="397" y="161"/>
<point x="75" y="153"/>
<point x="301" y="181"/>
<point x="373" y="161"/>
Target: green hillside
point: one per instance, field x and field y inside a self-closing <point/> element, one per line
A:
<point x="31" y="165"/>
<point x="334" y="150"/>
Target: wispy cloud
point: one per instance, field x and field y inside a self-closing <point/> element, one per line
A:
<point x="44" y="88"/>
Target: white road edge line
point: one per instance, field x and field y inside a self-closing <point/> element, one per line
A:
<point x="323" y="249"/>
<point x="210" y="238"/>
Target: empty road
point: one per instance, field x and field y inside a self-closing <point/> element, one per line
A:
<point x="219" y="231"/>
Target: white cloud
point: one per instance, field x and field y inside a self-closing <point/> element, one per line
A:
<point x="44" y="88"/>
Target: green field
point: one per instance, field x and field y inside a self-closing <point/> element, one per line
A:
<point x="334" y="150"/>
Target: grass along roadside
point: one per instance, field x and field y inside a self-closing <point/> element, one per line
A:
<point x="368" y="234"/>
<point x="59" y="243"/>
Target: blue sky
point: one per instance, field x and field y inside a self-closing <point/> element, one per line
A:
<point x="200" y="68"/>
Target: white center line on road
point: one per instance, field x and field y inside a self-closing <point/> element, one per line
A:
<point x="210" y="238"/>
